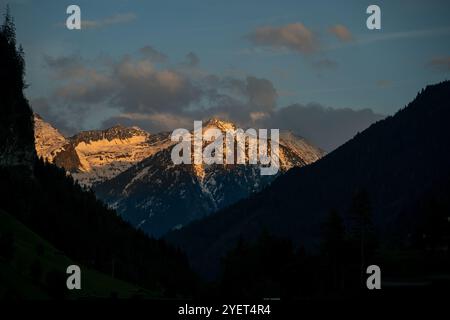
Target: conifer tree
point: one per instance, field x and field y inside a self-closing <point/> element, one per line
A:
<point x="361" y="216"/>
<point x="16" y="120"/>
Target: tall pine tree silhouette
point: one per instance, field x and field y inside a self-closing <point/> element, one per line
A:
<point x="362" y="232"/>
<point x="333" y="246"/>
<point x="16" y="116"/>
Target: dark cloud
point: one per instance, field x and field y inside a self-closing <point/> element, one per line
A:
<point x="238" y="100"/>
<point x="129" y="84"/>
<point x="294" y="36"/>
<point x="325" y="127"/>
<point x="192" y="59"/>
<point x="156" y="122"/>
<point x="258" y="93"/>
<point x="89" y="87"/>
<point x="63" y="62"/>
<point x="440" y="63"/>
<point x="65" y="66"/>
<point x="42" y="107"/>
<point x="153" y="54"/>
<point x="261" y="94"/>
<point x="143" y="88"/>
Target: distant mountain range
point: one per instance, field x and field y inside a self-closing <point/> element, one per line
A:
<point x="402" y="162"/>
<point x="132" y="171"/>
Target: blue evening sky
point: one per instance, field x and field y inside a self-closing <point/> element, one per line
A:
<point x="378" y="69"/>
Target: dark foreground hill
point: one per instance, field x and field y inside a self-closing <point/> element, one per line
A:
<point x="401" y="163"/>
<point x="31" y="268"/>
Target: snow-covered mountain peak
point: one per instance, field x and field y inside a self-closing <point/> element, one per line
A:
<point x="219" y="124"/>
<point x="300" y="147"/>
<point x="97" y="155"/>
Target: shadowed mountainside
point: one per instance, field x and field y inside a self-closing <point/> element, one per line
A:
<point x="399" y="161"/>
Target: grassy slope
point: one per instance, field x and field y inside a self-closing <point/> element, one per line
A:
<point x="15" y="279"/>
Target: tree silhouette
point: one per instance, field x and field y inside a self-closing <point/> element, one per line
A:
<point x="55" y="283"/>
<point x="8" y="27"/>
<point x="7" y="248"/>
<point x="333" y="246"/>
<point x="16" y="125"/>
<point x="361" y="219"/>
<point x="36" y="271"/>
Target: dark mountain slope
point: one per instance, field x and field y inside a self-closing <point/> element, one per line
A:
<point x="33" y="264"/>
<point x="398" y="161"/>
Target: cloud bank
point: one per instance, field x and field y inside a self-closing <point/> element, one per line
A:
<point x="144" y="89"/>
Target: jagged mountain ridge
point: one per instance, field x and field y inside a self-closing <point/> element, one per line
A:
<point x="157" y="196"/>
<point x="97" y="155"/>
